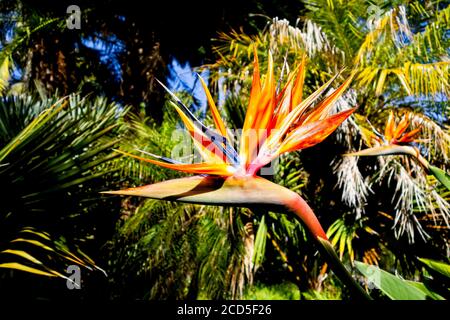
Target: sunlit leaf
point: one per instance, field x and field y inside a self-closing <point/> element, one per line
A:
<point x="22" y="254"/>
<point x="442" y="176"/>
<point x="441" y="267"/>
<point x="392" y="286"/>
<point x="260" y="242"/>
<point x="21" y="267"/>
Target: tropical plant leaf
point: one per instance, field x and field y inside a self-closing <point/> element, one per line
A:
<point x="442" y="176"/>
<point x="4" y="74"/>
<point x="260" y="242"/>
<point x="23" y="254"/>
<point x="52" y="149"/>
<point x="21" y="267"/>
<point x="422" y="287"/>
<point x="441" y="267"/>
<point x="394" y="287"/>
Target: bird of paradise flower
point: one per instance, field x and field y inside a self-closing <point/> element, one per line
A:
<point x="397" y="141"/>
<point x="228" y="177"/>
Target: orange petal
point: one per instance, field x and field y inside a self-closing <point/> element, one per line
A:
<point x="324" y="107"/>
<point x="259" y="117"/>
<point x="401" y="127"/>
<point x="308" y="135"/>
<point x="293" y="116"/>
<point x="410" y="136"/>
<point x="390" y="127"/>
<point x="266" y="103"/>
<point x="303" y="106"/>
<point x="290" y="79"/>
<point x="209" y="152"/>
<point x="284" y="98"/>
<point x="297" y="92"/>
<point x="215" y="113"/>
<point x="221" y="169"/>
<point x="196" y="126"/>
<point x="254" y="94"/>
<point x="250" y="115"/>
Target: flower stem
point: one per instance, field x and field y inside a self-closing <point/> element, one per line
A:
<point x="302" y="210"/>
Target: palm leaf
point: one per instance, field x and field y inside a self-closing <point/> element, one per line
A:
<point x="442" y="176"/>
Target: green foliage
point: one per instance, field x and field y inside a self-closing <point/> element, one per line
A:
<point x="41" y="254"/>
<point x="260" y="242"/>
<point x="288" y="291"/>
<point x="441" y="176"/>
<point x="440" y="276"/>
<point x="394" y="287"/>
<point x="4" y="74"/>
<point x="281" y="291"/>
<point x="330" y="292"/>
<point x="23" y="27"/>
<point x="53" y="154"/>
<point x="442" y="268"/>
<point x="339" y="21"/>
<point x="145" y="135"/>
<point x="340" y="233"/>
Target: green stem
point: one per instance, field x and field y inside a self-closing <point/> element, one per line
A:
<point x="327" y="250"/>
<point x="438" y="173"/>
<point x="302" y="210"/>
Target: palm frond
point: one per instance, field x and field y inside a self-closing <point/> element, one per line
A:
<point x="412" y="198"/>
<point x="390" y="35"/>
<point x="52" y="152"/>
<point x="431" y="42"/>
<point x="5" y="74"/>
<point x="435" y="137"/>
<point x="310" y="39"/>
<point x="355" y="189"/>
